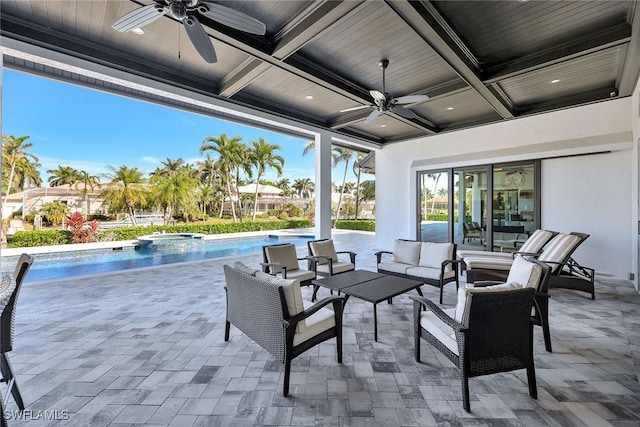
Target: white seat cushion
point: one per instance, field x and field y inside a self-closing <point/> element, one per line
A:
<point x="406" y="252"/>
<point x="440" y="330"/>
<point x="463" y="294"/>
<point x="338" y="267"/>
<point x="432" y="254"/>
<point x="284" y="254"/>
<point x="472" y="254"/>
<point x="396" y="267"/>
<point x="426" y="272"/>
<point x="300" y="275"/>
<point x="524" y="273"/>
<point x="292" y="295"/>
<point x="317" y="323"/>
<point x="324" y="248"/>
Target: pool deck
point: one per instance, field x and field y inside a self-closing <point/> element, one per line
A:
<point x="146" y="347"/>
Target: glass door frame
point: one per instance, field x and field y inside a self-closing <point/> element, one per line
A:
<point x="537" y="198"/>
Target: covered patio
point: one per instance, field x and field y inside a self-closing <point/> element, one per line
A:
<point x="147" y="347"/>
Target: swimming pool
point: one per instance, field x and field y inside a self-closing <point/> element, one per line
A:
<point x="79" y="263"/>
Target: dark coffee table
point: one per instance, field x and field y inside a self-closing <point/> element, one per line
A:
<point x="369" y="286"/>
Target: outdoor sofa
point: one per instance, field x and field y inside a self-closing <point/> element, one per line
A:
<point x="431" y="263"/>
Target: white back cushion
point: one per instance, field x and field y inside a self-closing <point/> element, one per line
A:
<point x="432" y="254"/>
<point x="285" y="254"/>
<point x="324" y="248"/>
<point x="557" y="249"/>
<point x="406" y="252"/>
<point x="463" y="296"/>
<point x="292" y="295"/>
<point x="524" y="273"/>
<point x="536" y="241"/>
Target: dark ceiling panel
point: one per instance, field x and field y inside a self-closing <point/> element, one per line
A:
<point x="460" y="107"/>
<point x="584" y="74"/>
<point x="503" y="30"/>
<point x="354" y="46"/>
<point x="489" y="60"/>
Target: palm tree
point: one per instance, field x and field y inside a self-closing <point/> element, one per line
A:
<point x="304" y="187"/>
<point x="174" y="186"/>
<point x="357" y="172"/>
<point x="62" y="176"/>
<point x="89" y="183"/>
<point x="436" y="177"/>
<point x="343" y="155"/>
<point x="210" y="172"/>
<point x="15" y="156"/>
<point x="230" y="156"/>
<point x="55" y="212"/>
<point x="125" y="191"/>
<point x="262" y="155"/>
<point x="368" y="191"/>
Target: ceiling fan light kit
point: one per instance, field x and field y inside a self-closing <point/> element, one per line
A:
<point x="186" y="11"/>
<point x="383" y="102"/>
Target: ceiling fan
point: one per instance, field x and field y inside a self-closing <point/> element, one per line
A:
<point x="186" y="11"/>
<point x="384" y="102"/>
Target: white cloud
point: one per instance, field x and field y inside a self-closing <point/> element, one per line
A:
<point x="151" y="159"/>
<point x="93" y="168"/>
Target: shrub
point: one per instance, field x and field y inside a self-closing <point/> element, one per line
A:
<point x="361" y="224"/>
<point x="82" y="231"/>
<point x="26" y="239"/>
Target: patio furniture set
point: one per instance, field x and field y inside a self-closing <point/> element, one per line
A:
<point x="489" y="331"/>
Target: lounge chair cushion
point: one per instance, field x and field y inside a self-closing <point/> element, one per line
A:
<point x="338" y="267"/>
<point x="432" y="254"/>
<point x="524" y="273"/>
<point x="556" y="251"/>
<point x="488" y="262"/>
<point x="318" y="322"/>
<point x="284" y="254"/>
<point x="436" y="327"/>
<point x="536" y="241"/>
<point x="464" y="292"/>
<point x="300" y="275"/>
<point x="292" y="295"/>
<point x="240" y="266"/>
<point x="324" y="248"/>
<point x="395" y="267"/>
<point x="406" y="252"/>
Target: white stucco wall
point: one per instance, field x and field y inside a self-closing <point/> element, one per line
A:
<point x="604" y="126"/>
<point x="635" y="182"/>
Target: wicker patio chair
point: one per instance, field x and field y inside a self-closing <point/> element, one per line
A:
<point x="327" y="261"/>
<point x="538" y="278"/>
<point x="271" y="312"/>
<point x="490" y="331"/>
<point x="282" y="260"/>
<point x="7" y="320"/>
<point x="472" y="230"/>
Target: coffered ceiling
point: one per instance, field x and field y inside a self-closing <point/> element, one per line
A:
<point x="478" y="61"/>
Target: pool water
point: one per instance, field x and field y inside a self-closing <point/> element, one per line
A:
<point x="79" y="263"/>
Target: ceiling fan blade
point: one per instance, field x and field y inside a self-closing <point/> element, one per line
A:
<point x="359" y="107"/>
<point x="410" y="99"/>
<point x="200" y="39"/>
<point x="232" y="18"/>
<point x="139" y="17"/>
<point x="374" y="115"/>
<point x="377" y="95"/>
<point x="404" y="112"/>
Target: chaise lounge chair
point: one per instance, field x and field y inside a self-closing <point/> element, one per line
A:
<point x="565" y="271"/>
<point x="531" y="247"/>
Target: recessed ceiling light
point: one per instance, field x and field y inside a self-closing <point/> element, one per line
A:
<point x="555" y="80"/>
<point x="450" y="108"/>
<point x="139" y="31"/>
<point x="383" y="126"/>
<point x="308" y="97"/>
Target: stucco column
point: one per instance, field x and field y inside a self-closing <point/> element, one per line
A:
<point x="323" y="185"/>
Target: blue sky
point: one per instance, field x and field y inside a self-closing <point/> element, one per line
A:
<point x="88" y="130"/>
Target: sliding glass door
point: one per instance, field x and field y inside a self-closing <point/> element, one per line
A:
<point x="488" y="207"/>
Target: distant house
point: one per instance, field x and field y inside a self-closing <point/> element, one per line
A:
<point x="32" y="199"/>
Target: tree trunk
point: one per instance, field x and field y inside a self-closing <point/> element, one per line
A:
<point x="435" y="187"/>
<point x="344" y="181"/>
<point x="233" y="208"/>
<point x="357" y="193"/>
<point x="255" y="200"/>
